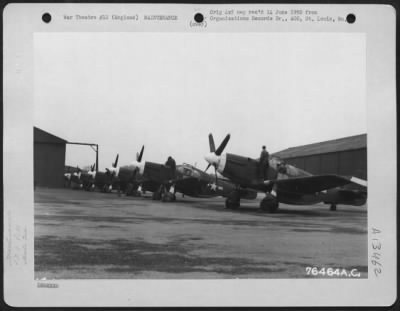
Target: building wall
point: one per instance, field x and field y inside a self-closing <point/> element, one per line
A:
<point x="49" y="160"/>
<point x="351" y="163"/>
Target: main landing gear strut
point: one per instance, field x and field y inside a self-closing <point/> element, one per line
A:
<point x="269" y="204"/>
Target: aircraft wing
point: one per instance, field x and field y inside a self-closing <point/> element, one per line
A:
<point x="315" y="183"/>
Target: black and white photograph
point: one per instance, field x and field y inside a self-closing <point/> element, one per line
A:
<point x="205" y="143"/>
<point x="246" y="160"/>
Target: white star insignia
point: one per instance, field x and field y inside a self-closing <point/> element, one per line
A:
<point x="213" y="186"/>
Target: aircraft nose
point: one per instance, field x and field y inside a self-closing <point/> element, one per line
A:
<point x="112" y="171"/>
<point x="138" y="167"/>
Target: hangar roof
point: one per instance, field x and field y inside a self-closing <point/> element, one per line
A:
<point x="341" y="144"/>
<point x="40" y="136"/>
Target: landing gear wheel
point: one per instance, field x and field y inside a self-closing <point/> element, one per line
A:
<point x="269" y="204"/>
<point x="129" y="189"/>
<point x="156" y="196"/>
<point x="333" y="207"/>
<point x="136" y="193"/>
<point x="233" y="200"/>
<point x="168" y="197"/>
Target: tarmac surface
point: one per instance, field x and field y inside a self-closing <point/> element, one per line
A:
<point x="93" y="235"/>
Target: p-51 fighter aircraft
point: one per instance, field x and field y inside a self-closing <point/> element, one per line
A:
<point x="89" y="180"/>
<point x="103" y="180"/>
<point x="73" y="180"/>
<point x="127" y="178"/>
<point x="164" y="182"/>
<point x="283" y="183"/>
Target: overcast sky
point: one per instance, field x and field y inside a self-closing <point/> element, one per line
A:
<point x="168" y="91"/>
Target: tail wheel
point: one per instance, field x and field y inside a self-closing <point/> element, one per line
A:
<point x="333" y="207"/>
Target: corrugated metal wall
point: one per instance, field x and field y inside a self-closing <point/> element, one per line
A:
<point x="49" y="160"/>
<point x="352" y="163"/>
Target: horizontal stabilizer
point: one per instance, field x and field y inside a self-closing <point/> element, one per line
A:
<point x="359" y="181"/>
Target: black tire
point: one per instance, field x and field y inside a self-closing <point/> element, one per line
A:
<point x="231" y="205"/>
<point x="168" y="197"/>
<point x="233" y="200"/>
<point x="333" y="207"/>
<point x="269" y="204"/>
<point x="156" y="196"/>
<point x="129" y="189"/>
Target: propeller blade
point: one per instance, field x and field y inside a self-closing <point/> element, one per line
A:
<point x="208" y="166"/>
<point x="211" y="142"/>
<point x="116" y="161"/>
<point x="139" y="158"/>
<point x="223" y="145"/>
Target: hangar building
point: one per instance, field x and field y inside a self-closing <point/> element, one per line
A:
<point x="343" y="156"/>
<point x="49" y="159"/>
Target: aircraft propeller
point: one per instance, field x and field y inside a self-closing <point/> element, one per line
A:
<point x="140" y="155"/>
<point x="116" y="161"/>
<point x="136" y="164"/>
<point x="77" y="173"/>
<point x="92" y="171"/>
<point x="213" y="157"/>
<point x="112" y="170"/>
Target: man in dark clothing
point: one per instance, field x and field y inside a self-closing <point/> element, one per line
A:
<point x="171" y="163"/>
<point x="264" y="163"/>
<point x="171" y="175"/>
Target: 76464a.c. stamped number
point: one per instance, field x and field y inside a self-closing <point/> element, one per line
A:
<point x="333" y="272"/>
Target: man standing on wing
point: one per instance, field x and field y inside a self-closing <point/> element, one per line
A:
<point x="264" y="163"/>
